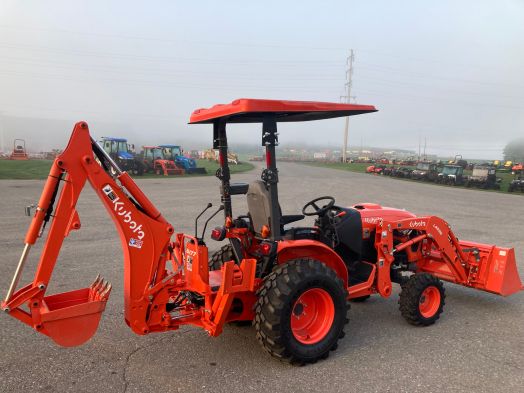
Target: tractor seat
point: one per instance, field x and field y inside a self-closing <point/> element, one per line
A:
<point x="259" y="206"/>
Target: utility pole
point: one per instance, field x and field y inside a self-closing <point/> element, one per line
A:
<point x="347" y="98"/>
<point x="419" y="147"/>
<point x="2" y="146"/>
<point x="425" y="149"/>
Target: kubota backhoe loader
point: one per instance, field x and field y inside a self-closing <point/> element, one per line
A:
<point x="293" y="283"/>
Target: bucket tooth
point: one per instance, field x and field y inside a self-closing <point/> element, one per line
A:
<point x="99" y="285"/>
<point x="95" y="283"/>
<point x="104" y="295"/>
<point x="100" y="289"/>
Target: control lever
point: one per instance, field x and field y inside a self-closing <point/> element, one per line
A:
<point x="200" y="215"/>
<point x="209" y="219"/>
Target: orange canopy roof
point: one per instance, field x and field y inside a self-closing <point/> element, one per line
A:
<point x="248" y="110"/>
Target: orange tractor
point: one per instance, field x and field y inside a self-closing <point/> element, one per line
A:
<point x="154" y="161"/>
<point x="19" y="151"/>
<point x="293" y="283"/>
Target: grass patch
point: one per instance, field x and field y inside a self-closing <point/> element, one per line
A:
<point x="31" y="169"/>
<point x="505" y="177"/>
<point x="39" y="169"/>
<point x="211" y="166"/>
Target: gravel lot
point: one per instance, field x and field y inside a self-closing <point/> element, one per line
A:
<point x="477" y="345"/>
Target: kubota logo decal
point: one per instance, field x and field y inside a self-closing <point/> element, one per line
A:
<point x="417" y="224"/>
<point x="122" y="212"/>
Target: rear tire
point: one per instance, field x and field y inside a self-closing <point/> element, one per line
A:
<point x="422" y="299"/>
<point x="220" y="257"/>
<point x="140" y="168"/>
<point x="284" y="328"/>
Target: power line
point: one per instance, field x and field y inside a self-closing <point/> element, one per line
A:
<point x="247" y="44"/>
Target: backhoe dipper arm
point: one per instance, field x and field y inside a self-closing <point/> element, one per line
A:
<point x="144" y="234"/>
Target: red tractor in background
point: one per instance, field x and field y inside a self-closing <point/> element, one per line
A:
<point x="292" y="282"/>
<point x="19" y="152"/>
<point x="155" y="161"/>
<point x="517" y="184"/>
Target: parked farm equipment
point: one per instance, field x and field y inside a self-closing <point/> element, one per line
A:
<point x="402" y="172"/>
<point x="427" y="171"/>
<point x="452" y="175"/>
<point x="154" y="161"/>
<point x="213" y="155"/>
<point x="292" y="282"/>
<point x="483" y="177"/>
<point x="458" y="161"/>
<point x="517" y="184"/>
<point x="19" y="152"/>
<point x="379" y="169"/>
<point x="174" y="153"/>
<point x="118" y="150"/>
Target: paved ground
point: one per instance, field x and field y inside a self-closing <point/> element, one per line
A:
<point x="477" y="345"/>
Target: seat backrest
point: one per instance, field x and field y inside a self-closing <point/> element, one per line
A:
<point x="258" y="205"/>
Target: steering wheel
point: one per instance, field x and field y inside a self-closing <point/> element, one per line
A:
<point x="318" y="210"/>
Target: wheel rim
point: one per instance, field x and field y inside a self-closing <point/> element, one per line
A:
<point x="429" y="302"/>
<point x="312" y="316"/>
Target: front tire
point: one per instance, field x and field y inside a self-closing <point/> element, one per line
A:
<point x="422" y="299"/>
<point x="301" y="311"/>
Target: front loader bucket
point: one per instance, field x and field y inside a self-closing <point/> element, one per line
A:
<point x="502" y="276"/>
<point x="496" y="269"/>
<point x="71" y="318"/>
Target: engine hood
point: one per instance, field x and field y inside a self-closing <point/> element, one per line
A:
<point x="124" y="155"/>
<point x="372" y="213"/>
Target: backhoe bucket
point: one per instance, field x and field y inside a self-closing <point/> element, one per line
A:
<point x="71" y="318"/>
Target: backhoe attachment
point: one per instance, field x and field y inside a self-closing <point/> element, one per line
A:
<point x="166" y="284"/>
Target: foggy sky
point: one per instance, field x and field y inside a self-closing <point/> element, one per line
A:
<point x="451" y="72"/>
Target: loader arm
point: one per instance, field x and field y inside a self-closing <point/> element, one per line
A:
<point x="71" y="318"/>
<point x="439" y="252"/>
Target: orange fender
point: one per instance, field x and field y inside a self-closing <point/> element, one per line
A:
<point x="305" y="248"/>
